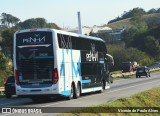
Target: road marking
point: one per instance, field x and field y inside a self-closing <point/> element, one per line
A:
<point x="99" y="94"/>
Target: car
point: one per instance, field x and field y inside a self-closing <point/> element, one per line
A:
<point x="143" y="71"/>
<point x="9" y="87"/>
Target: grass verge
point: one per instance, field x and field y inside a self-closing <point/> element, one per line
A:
<point x="149" y="99"/>
<point x="2" y="95"/>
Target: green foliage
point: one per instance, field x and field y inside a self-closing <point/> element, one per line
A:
<point x="128" y="35"/>
<point x="152" y="46"/>
<point x="9" y="20"/>
<point x="151" y="11"/>
<point x="52" y="25"/>
<point x="149" y="98"/>
<point x="36" y="23"/>
<point x="32" y="23"/>
<point x="105" y="36"/>
<point x="5" y="69"/>
<point x="122" y="54"/>
<point x="143" y="37"/>
<point x="7" y="42"/>
<point x="155" y="31"/>
<point x="145" y="41"/>
<point x="139" y="22"/>
<point x="3" y="62"/>
<point x="131" y="13"/>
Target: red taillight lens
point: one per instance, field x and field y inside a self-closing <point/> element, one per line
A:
<point x="55" y="76"/>
<point x="16" y="77"/>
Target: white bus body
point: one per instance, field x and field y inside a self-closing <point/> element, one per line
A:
<point x="50" y="62"/>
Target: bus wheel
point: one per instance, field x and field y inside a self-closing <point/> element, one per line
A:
<point x="103" y="85"/>
<point x="77" y="92"/>
<point x="72" y="92"/>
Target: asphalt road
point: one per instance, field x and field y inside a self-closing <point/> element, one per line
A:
<point x="119" y="89"/>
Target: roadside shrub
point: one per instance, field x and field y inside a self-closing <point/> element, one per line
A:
<point x="5" y="68"/>
<point x="122" y="54"/>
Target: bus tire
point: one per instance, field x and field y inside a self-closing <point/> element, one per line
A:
<point x="103" y="87"/>
<point x="77" y="92"/>
<point x="72" y="92"/>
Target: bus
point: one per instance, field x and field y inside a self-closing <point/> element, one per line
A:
<point x="50" y="62"/>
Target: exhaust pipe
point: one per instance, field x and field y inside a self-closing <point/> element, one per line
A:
<point x="79" y="23"/>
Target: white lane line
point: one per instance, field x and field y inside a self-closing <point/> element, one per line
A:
<point x="90" y="96"/>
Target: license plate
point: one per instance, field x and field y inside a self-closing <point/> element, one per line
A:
<point x="35" y="84"/>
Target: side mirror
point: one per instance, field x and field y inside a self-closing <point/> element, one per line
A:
<point x="109" y="59"/>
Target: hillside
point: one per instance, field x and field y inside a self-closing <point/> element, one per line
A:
<point x="150" y="18"/>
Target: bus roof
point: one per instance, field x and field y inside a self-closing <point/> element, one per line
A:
<point x="61" y="32"/>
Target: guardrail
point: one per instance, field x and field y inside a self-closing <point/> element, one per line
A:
<point x="1" y="90"/>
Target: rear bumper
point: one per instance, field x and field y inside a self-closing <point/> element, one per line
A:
<point x="36" y="91"/>
<point x="10" y="91"/>
<point x="141" y="74"/>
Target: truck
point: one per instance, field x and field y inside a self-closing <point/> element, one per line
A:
<point x="129" y="66"/>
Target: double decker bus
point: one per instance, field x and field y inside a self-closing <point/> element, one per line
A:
<point x="49" y="62"/>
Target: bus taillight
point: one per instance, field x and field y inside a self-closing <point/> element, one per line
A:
<point x="16" y="77"/>
<point x="55" y="76"/>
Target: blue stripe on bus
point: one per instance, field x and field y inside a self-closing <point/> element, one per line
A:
<point x="76" y="68"/>
<point x="86" y="81"/>
<point x="40" y="57"/>
<point x="34" y="86"/>
<point x="66" y="93"/>
<point x="63" y="69"/>
<point x="92" y="88"/>
<point x="101" y="61"/>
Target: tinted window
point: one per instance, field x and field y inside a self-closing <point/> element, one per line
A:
<point x="10" y="79"/>
<point x="34" y="38"/>
<point x="80" y="43"/>
<point x="34" y="55"/>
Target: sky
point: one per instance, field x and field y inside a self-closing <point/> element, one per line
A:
<point x="64" y="12"/>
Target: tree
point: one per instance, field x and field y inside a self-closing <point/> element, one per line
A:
<point x="53" y="25"/>
<point x="7" y="42"/>
<point x="3" y="61"/>
<point x="151" y="11"/>
<point x="121" y="54"/>
<point x="4" y="18"/>
<point x="152" y="46"/>
<point x="9" y="20"/>
<point x="128" y="35"/>
<point x="105" y="36"/>
<point x="130" y="14"/>
<point x="36" y="23"/>
<point x="139" y="22"/>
